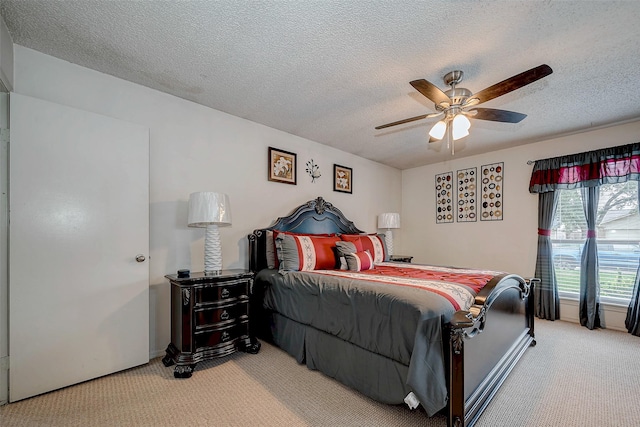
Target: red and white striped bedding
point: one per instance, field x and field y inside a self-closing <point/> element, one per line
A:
<point x="458" y="286"/>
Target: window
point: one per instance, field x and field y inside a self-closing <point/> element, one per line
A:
<point x="618" y="236"/>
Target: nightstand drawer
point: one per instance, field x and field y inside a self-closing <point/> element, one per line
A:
<point x="217" y="316"/>
<point x="208" y="294"/>
<point x="222" y="336"/>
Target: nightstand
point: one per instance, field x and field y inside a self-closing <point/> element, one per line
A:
<point x="400" y="258"/>
<point x="209" y="318"/>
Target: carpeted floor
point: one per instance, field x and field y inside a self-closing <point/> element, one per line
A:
<point x="573" y="377"/>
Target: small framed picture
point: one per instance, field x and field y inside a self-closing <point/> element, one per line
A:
<point x="342" y="179"/>
<point x="282" y="166"/>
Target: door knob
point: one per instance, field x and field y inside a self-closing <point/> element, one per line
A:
<point x="140" y="258"/>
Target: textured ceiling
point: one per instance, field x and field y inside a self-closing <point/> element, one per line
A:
<point x="330" y="71"/>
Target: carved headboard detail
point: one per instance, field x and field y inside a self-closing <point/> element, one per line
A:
<point x="313" y="217"/>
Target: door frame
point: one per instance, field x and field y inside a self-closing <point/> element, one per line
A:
<point x="4" y="244"/>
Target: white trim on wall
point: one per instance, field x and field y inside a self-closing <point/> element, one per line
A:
<point x="614" y="314"/>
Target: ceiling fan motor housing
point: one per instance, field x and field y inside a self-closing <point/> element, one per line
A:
<point x="458" y="95"/>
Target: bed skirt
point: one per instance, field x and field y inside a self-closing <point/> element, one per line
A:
<point x="353" y="368"/>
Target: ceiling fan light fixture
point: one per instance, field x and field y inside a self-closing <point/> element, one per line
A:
<point x="461" y="126"/>
<point x="438" y="130"/>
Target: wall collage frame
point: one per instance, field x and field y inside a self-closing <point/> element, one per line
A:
<point x="468" y="195"/>
<point x="283" y="168"/>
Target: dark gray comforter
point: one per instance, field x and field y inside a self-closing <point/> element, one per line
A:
<point x="400" y="323"/>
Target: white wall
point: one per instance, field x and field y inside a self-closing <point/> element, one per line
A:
<point x="6" y="56"/>
<point x="6" y="83"/>
<point x="194" y="148"/>
<point x="507" y="245"/>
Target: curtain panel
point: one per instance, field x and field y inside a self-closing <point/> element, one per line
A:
<point x="590" y="309"/>
<point x="546" y="292"/>
<point x="632" y="322"/>
<point x="587" y="170"/>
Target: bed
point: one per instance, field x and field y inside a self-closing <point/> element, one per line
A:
<point x="440" y="337"/>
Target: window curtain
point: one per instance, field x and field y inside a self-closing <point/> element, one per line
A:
<point x="590" y="309"/>
<point x="632" y="321"/>
<point x="546" y="292"/>
<point x="590" y="169"/>
<point x="585" y="171"/>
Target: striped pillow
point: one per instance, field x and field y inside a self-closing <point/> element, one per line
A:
<point x="305" y="252"/>
<point x="374" y="243"/>
<point x="359" y="261"/>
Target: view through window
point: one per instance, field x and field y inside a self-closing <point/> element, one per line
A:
<point x="618" y="236"/>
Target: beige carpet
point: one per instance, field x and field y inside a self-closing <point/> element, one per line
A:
<point x="573" y="377"/>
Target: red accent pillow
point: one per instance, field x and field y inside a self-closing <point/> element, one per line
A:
<point x="372" y="242"/>
<point x="306" y="252"/>
<point x="271" y="250"/>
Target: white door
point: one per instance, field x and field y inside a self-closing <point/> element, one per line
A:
<point x="79" y="216"/>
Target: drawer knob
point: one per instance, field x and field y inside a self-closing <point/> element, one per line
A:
<point x="224" y="315"/>
<point x="225" y="336"/>
<point x="225" y="293"/>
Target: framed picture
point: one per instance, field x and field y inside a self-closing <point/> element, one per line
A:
<point x="282" y="166"/>
<point x="342" y="179"/>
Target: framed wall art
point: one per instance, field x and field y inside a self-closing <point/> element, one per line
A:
<point x="283" y="166"/>
<point x="492" y="182"/>
<point x="466" y="208"/>
<point x="445" y="192"/>
<point x="342" y="179"/>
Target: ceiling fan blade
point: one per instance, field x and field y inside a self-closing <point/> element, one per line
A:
<point x="497" y="115"/>
<point x="431" y="91"/>
<point x="513" y="83"/>
<point x="399" y="122"/>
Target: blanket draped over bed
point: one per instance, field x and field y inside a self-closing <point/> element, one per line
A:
<point x="441" y="337"/>
<point x="397" y="311"/>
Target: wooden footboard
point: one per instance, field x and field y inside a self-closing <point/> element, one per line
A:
<point x="485" y="343"/>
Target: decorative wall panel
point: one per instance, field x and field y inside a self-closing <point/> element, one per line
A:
<point x="467" y="191"/>
<point x="444" y="197"/>
<point x="492" y="184"/>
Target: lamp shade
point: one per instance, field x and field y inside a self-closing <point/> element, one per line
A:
<point x="461" y="126"/>
<point x="389" y="220"/>
<point x="438" y="130"/>
<point x="207" y="208"/>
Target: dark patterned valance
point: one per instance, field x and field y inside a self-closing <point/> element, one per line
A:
<point x="589" y="169"/>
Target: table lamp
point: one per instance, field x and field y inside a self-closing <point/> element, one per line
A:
<point x="388" y="221"/>
<point x="210" y="210"/>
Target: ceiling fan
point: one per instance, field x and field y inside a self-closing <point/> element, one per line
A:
<point x="455" y="104"/>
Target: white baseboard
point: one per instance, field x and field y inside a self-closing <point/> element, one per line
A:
<point x="158" y="353"/>
<point x="614" y="315"/>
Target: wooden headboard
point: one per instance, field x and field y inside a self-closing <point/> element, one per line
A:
<point x="314" y="217"/>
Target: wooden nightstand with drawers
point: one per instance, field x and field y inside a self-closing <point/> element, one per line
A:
<point x="209" y="318"/>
